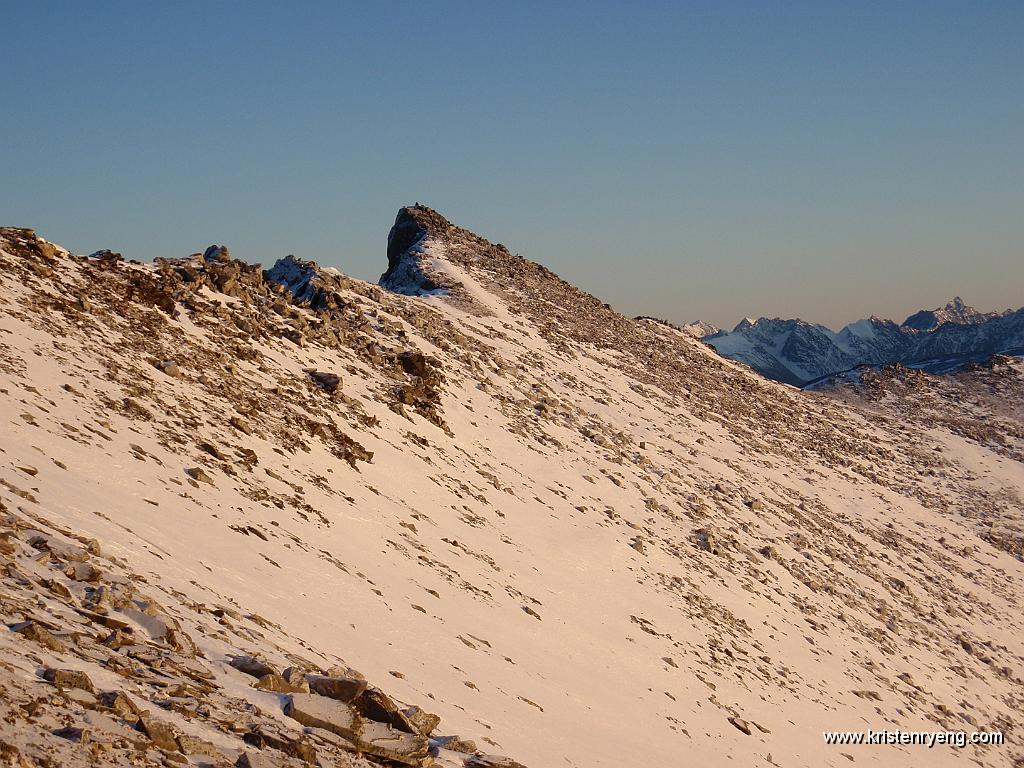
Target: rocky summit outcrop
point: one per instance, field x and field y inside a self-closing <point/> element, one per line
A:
<point x="274" y="517"/>
<point x="410" y="270"/>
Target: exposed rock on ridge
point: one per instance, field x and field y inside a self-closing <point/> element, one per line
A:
<point x="409" y="271"/>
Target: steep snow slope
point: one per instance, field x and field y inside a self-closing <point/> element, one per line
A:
<point x="982" y="402"/>
<point x="580" y="539"/>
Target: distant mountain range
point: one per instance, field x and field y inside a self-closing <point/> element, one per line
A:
<point x="934" y="340"/>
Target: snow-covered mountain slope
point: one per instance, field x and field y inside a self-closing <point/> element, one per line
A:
<point x="790" y="351"/>
<point x="982" y="402"/>
<point x="939" y="340"/>
<point x="578" y="538"/>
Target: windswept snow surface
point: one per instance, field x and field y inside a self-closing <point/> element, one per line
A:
<point x="582" y="538"/>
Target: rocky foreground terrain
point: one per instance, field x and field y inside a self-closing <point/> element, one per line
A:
<point x="285" y="517"/>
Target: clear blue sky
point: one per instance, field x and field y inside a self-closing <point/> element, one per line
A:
<point x="826" y="160"/>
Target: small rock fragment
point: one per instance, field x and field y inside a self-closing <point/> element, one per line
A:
<point x="458" y="744"/>
<point x="68" y="678"/>
<point x="169" y="367"/>
<point x="83" y="572"/>
<point x="491" y="761"/>
<point x="330" y="382"/>
<point x="255" y="760"/>
<point x="159" y="732"/>
<point x="251" y="665"/>
<point x="199" y="475"/>
<point x="424" y="722"/>
<point x="344" y="689"/>
<point x="120" y="704"/>
<point x="278" y="684"/>
<point x="740" y="724"/>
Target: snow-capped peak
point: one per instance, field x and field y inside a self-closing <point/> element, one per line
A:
<point x="796" y="352"/>
<point x="955" y="311"/>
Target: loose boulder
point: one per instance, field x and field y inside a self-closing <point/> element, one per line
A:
<point x="345" y="689"/>
<point x="368" y="736"/>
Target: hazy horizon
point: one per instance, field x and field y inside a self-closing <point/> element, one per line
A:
<point x="702" y="162"/>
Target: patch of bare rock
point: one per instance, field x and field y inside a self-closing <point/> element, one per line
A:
<point x="95" y="671"/>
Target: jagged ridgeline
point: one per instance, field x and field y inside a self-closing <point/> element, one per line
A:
<point x="803" y="354"/>
<point x="284" y="517"/>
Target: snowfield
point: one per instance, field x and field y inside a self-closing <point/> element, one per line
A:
<point x="578" y="539"/>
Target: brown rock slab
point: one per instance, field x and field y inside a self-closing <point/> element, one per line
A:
<point x="345" y="689"/>
<point x="61" y="550"/>
<point x="491" y="761"/>
<point x="159" y="732"/>
<point x="320" y="712"/>
<point x="458" y="744"/>
<point x="740" y="724"/>
<point x="371" y="737"/>
<point x="374" y="704"/>
<point x="69" y="678"/>
<point x="79" y="571"/>
<point x="329" y="381"/>
<point x="342" y="670"/>
<point x="424" y="722"/>
<point x="278" y="684"/>
<point x="199" y="475"/>
<point x="120" y="704"/>
<point x="35" y="631"/>
<point x="83" y="698"/>
<point x="72" y="733"/>
<point x="253" y="759"/>
<point x="254" y="666"/>
<point x="190" y="745"/>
